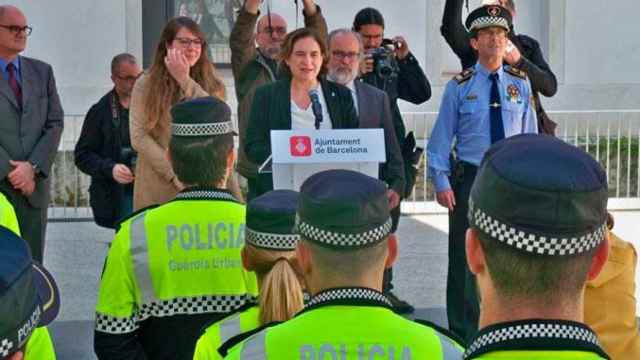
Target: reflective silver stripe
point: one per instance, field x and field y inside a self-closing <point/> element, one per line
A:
<point x="254" y="347"/>
<point x="140" y="257"/>
<point x="449" y="350"/>
<point x="230" y="328"/>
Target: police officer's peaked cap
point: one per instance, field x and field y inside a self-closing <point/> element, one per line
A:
<point x="206" y="116"/>
<point x="489" y="16"/>
<point x="541" y="196"/>
<point x="271" y="219"/>
<point x="343" y="209"/>
<point x="29" y="296"/>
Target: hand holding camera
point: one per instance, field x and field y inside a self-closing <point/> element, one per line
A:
<point x="383" y="59"/>
<point x="401" y="47"/>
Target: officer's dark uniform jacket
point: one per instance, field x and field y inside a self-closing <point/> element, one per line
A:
<point x="543" y="81"/>
<point x="536" y="339"/>
<point x="351" y="323"/>
<point x="170" y="270"/>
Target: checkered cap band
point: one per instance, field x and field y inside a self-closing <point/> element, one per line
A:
<point x="178" y="306"/>
<point x="208" y="129"/>
<point x="6" y="346"/>
<point x="197" y="194"/>
<point x="488" y="21"/>
<point x="532" y="331"/>
<point x="284" y="242"/>
<point x="338" y="239"/>
<point x="534" y="243"/>
<point x="348" y="294"/>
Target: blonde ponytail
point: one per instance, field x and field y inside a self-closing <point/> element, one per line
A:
<point x="281" y="293"/>
<point x="280" y="290"/>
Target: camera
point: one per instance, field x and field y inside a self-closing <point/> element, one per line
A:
<point x="384" y="59"/>
<point x="129" y="157"/>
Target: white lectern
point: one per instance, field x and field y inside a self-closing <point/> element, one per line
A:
<point x="298" y="154"/>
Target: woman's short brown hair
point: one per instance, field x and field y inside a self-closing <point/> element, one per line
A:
<point x="290" y="41"/>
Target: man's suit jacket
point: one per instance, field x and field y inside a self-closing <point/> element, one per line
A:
<point x="374" y="111"/>
<point x="32" y="134"/>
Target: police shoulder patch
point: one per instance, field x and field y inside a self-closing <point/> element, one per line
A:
<point x="134" y="214"/>
<point x="465" y="75"/>
<point x="516" y="72"/>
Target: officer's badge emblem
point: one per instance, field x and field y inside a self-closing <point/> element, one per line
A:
<point x="513" y="94"/>
<point x="494" y="11"/>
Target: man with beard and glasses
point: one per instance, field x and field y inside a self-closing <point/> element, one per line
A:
<point x="254" y="66"/>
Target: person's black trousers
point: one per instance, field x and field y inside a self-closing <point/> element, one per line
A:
<point x="462" y="299"/>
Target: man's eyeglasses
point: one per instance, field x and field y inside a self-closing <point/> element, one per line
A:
<point x="129" y="78"/>
<point x="274" y="30"/>
<point x="349" y="55"/>
<point x="186" y="42"/>
<point x="14" y="29"/>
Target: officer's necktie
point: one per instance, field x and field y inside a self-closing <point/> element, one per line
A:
<point x="13" y="83"/>
<point x="495" y="107"/>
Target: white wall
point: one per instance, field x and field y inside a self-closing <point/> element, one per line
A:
<point x="79" y="38"/>
<point x="593" y="46"/>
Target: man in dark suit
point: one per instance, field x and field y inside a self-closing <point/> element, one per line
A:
<point x="30" y="130"/>
<point x="374" y="111"/>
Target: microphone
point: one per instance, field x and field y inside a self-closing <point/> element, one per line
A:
<point x="316" y="107"/>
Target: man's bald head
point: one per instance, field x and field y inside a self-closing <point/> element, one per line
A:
<point x="270" y="33"/>
<point x="12" y="41"/>
<point x="9" y="10"/>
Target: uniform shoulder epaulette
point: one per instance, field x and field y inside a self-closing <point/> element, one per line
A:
<point x="134" y="214"/>
<point x="516" y="72"/>
<point x="465" y="75"/>
<point x="224" y="348"/>
<point x="443" y="331"/>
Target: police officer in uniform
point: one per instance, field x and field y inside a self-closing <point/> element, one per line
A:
<point x="269" y="251"/>
<point x="173" y="268"/>
<point x="538" y="233"/>
<point x="345" y="244"/>
<point x="480" y="106"/>
<point x="29" y="300"/>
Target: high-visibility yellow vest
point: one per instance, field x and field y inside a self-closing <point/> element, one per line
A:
<point x="536" y="339"/>
<point x="181" y="258"/>
<point x="215" y="335"/>
<point x="39" y="346"/>
<point x="346" y="324"/>
<point x="8" y="216"/>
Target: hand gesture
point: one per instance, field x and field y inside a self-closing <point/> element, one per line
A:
<point x="122" y="174"/>
<point x="177" y="65"/>
<point x="446" y="199"/>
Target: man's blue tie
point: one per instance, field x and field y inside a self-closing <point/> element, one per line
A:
<point x="495" y="108"/>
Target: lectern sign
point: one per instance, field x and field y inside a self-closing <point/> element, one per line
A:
<point x="322" y="146"/>
<point x="298" y="154"/>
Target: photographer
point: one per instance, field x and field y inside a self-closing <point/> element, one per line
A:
<point x="104" y="148"/>
<point x="390" y="66"/>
